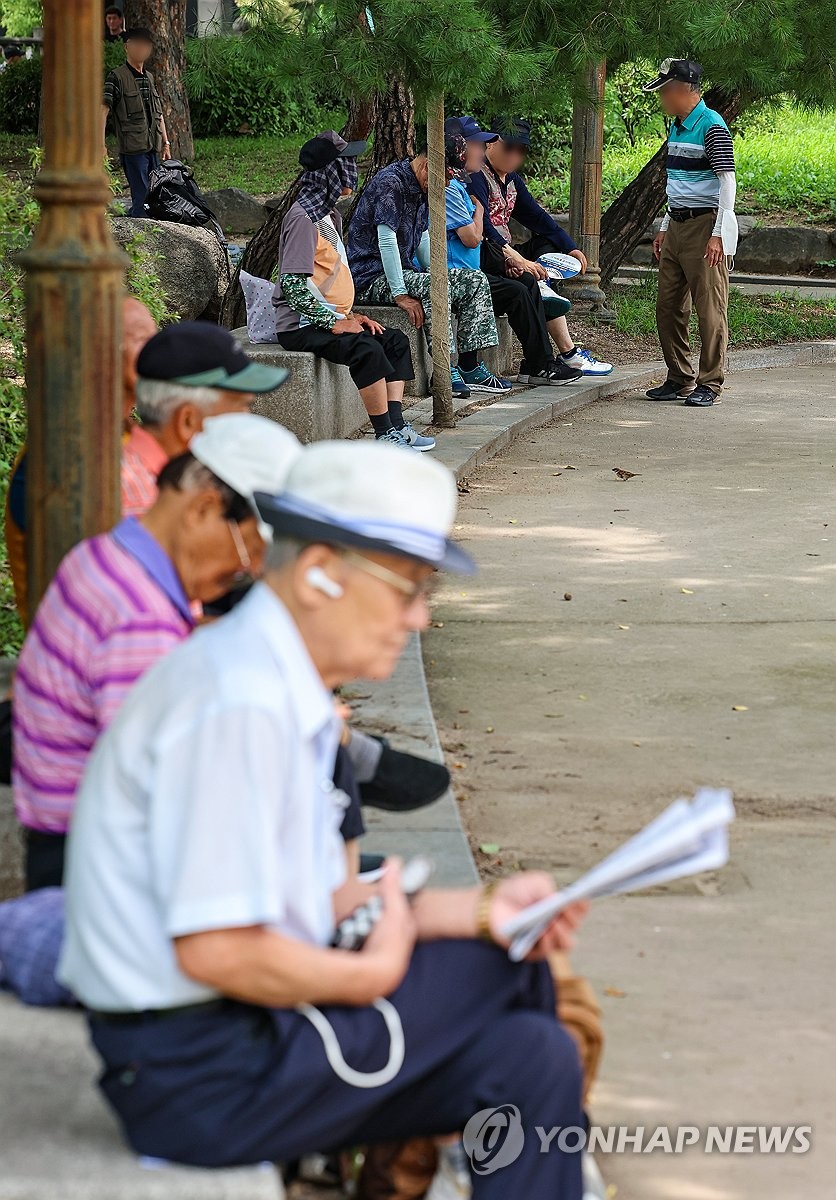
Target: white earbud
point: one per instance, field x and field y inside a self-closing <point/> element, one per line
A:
<point x="318" y="579"/>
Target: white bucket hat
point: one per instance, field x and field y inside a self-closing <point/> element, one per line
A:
<point x="249" y="453"/>
<point x="370" y="497"/>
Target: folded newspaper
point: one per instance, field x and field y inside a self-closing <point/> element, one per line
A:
<point x="688" y="837"/>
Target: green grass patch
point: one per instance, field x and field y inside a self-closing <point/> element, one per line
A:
<point x="753" y="320"/>
<point x="786" y="160"/>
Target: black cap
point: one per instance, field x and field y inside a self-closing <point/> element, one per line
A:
<point x="326" y="148"/>
<point x="138" y="33"/>
<point x="199" y="354"/>
<point x="513" y="130"/>
<point x="13" y="52"/>
<point x="678" y="70"/>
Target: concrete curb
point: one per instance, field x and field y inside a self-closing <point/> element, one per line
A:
<point x="402" y="705"/>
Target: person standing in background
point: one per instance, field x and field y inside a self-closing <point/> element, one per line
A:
<point x="701" y="189"/>
<point x="114" y="24"/>
<point x="131" y="99"/>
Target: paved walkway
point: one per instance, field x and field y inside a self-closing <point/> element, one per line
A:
<point x="702" y="586"/>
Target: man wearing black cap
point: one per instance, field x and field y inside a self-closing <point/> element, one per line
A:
<point x="697" y="232"/>
<point x="131" y="98"/>
<point x="501" y="190"/>
<point x="314" y="296"/>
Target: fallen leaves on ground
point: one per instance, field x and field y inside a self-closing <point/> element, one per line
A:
<point x="687" y="591"/>
<point x="740" y="708"/>
<point x="490" y="848"/>
<point x="614" y="991"/>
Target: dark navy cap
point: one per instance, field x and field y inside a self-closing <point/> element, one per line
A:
<point x="468" y="128"/>
<point x="514" y="130"/>
<point x="200" y="354"/>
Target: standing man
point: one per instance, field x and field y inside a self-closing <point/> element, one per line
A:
<point x="131" y="98"/>
<point x="692" y="264"/>
<point x="114" y="24"/>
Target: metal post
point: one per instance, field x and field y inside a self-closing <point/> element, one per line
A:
<point x="585" y="195"/>
<point x="74" y="285"/>
<point x="439" y="281"/>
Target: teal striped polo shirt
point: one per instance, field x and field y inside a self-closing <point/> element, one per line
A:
<point x="699" y="149"/>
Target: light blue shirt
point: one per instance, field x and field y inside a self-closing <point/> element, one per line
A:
<point x="207" y="804"/>
<point x="460" y="212"/>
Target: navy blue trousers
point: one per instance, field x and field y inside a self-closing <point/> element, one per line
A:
<point x="137" y="168"/>
<point x="245" y="1084"/>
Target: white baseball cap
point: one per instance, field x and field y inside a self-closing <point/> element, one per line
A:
<point x="370" y="496"/>
<point x="249" y="453"/>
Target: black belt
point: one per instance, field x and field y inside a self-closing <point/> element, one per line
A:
<point x="155" y="1014"/>
<point x="685" y="214"/>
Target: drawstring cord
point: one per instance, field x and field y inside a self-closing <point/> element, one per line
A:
<point x="360" y="1079"/>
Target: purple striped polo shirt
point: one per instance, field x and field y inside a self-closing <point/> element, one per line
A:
<point x="114" y="608"/>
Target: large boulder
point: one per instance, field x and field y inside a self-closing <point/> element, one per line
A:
<point x="191" y="264"/>
<point x="785" y="250"/>
<point x="237" y="211"/>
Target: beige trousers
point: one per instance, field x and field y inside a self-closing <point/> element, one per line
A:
<point x="685" y="278"/>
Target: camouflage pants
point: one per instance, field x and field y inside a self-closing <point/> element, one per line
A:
<point x="470" y="304"/>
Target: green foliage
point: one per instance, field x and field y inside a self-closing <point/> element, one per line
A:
<point x="20" y="96"/>
<point x="263" y="166"/>
<point x="143" y="281"/>
<point x="753" y="320"/>
<point x="20" y="17"/>
<point x="785" y="161"/>
<point x="234" y="87"/>
<point x="18" y="216"/>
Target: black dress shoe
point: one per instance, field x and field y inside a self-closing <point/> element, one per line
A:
<point x="701" y="397"/>
<point x="404" y="782"/>
<point x="666" y="391"/>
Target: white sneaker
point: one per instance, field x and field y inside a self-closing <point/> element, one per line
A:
<point x="585" y="360"/>
<point x="418" y="441"/>
<point x="452" y="1178"/>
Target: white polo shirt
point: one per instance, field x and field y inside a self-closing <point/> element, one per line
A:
<point x="207" y="804"/>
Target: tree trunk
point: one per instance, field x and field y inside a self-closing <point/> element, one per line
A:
<point x="167" y="21"/>
<point x="624" y="223"/>
<point x="392" y="117"/>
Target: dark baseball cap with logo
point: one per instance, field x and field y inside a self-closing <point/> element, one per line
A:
<point x="198" y="354"/>
<point x="468" y="128"/>
<point x="675" y="70"/>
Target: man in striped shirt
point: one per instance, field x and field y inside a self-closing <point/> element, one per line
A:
<point x="120" y="601"/>
<point x="692" y="265"/>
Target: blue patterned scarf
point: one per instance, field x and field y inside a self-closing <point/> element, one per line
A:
<point x="321" y="189"/>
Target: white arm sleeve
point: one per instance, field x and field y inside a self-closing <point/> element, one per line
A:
<point x="666" y="220"/>
<point x="728" y="195"/>
<point x="390" y="257"/>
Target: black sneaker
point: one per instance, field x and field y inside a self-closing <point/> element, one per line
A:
<point x="701" y="397"/>
<point x="404" y="782"/>
<point x="667" y="391"/>
<point x="553" y="376"/>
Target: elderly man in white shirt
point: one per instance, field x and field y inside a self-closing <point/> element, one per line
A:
<point x="206" y="879"/>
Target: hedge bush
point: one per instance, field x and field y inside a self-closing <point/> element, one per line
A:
<point x="20" y="96"/>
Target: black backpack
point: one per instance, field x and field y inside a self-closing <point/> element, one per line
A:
<point x="173" y="195"/>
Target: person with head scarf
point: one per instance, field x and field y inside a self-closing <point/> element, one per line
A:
<point x="314" y="294"/>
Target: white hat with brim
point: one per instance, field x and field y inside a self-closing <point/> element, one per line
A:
<point x="248" y="453"/>
<point x="370" y="497"/>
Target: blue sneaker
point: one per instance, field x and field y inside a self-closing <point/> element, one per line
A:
<point x="480" y="379"/>
<point x="460" y="388"/>
<point x="393" y="437"/>
<point x="418" y="441"/>
<point x="585" y="361"/>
